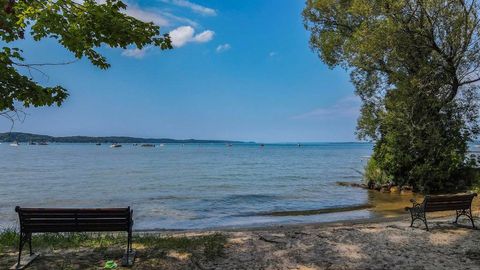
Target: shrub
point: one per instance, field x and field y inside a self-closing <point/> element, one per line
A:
<point x="374" y="174"/>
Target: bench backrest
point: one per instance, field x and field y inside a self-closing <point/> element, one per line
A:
<point x="446" y="202"/>
<point x="74" y="219"/>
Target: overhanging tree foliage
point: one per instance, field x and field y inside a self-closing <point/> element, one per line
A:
<point x="79" y="26"/>
<point x="415" y="64"/>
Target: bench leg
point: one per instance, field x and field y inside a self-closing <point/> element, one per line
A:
<point x="30" y="243"/>
<point x="20" y="247"/>
<point x="467" y="213"/>
<point x="413" y="219"/>
<point x="418" y="215"/>
<point x="471" y="218"/>
<point x="24" y="238"/>
<point x="129" y="256"/>
<point x="425" y="221"/>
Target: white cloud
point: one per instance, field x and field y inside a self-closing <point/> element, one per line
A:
<point x="346" y="107"/>
<point x="181" y="35"/>
<point x="185" y="34"/>
<point x="223" y="48"/>
<point x="136" y="52"/>
<point x="272" y="54"/>
<point x="192" y="6"/>
<point x="146" y="15"/>
<point x="205" y="36"/>
<point x="178" y="20"/>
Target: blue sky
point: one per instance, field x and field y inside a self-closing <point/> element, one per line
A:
<point x="241" y="70"/>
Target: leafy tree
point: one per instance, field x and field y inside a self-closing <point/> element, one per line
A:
<point x="414" y="64"/>
<point x="79" y="26"/>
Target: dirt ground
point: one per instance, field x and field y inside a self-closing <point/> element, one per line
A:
<point x="386" y="244"/>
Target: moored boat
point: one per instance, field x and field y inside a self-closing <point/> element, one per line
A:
<point x="115" y="145"/>
<point x="147" y="145"/>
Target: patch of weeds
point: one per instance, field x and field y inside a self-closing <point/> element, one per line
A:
<point x="214" y="246"/>
<point x="8" y="239"/>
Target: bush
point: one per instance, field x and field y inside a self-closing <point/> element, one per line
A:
<point x="374" y="174"/>
<point x="423" y="143"/>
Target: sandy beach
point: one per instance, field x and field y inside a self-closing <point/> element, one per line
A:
<point x="365" y="244"/>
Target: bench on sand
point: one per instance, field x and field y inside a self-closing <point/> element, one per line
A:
<point x="462" y="204"/>
<point x="59" y="220"/>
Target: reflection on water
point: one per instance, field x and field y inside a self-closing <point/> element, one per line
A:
<point x="391" y="204"/>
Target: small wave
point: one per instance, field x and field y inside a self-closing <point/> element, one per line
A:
<point x="316" y="211"/>
<point x="172" y="197"/>
<point x="250" y="198"/>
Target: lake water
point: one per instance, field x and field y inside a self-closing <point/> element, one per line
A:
<point x="186" y="186"/>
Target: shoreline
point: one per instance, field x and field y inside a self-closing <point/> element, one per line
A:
<point x="377" y="219"/>
<point x="274" y="227"/>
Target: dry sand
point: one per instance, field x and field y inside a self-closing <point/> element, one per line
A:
<point x="371" y="244"/>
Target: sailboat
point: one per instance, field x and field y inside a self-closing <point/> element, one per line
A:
<point x="15" y="143"/>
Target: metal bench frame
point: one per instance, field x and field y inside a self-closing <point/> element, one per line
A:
<point x="462" y="204"/>
<point x="59" y="220"/>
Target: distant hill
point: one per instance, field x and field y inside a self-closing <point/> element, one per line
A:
<point x="27" y="137"/>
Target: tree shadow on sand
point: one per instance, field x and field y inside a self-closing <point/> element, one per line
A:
<point x="389" y="245"/>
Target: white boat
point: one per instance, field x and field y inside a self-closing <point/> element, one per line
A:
<point x="162" y="145"/>
<point x="115" y="145"/>
<point x="15" y="144"/>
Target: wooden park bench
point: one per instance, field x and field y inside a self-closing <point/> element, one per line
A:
<point x="462" y="204"/>
<point x="60" y="220"/>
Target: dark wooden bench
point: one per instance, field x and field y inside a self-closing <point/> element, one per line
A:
<point x="59" y="220"/>
<point x="462" y="204"/>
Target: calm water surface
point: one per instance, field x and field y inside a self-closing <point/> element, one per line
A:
<point x="186" y="186"/>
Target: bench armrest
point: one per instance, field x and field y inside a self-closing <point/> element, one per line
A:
<point x="415" y="206"/>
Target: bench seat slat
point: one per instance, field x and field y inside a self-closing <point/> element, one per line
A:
<point x="73" y="210"/>
<point x="76" y="225"/>
<point x="79" y="221"/>
<point x="446" y="206"/>
<point x="72" y="215"/>
<point x="450" y="198"/>
<point x="89" y="228"/>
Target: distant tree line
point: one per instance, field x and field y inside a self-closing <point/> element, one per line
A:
<point x="27" y="137"/>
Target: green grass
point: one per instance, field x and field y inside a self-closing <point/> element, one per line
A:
<point x="211" y="245"/>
